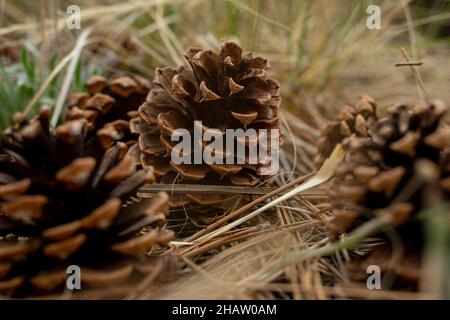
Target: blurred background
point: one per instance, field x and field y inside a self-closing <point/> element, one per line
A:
<point x="320" y="50"/>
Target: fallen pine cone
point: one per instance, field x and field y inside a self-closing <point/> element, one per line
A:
<point x="401" y="169"/>
<point x="108" y="107"/>
<point x="351" y="120"/>
<point x="61" y="207"/>
<point x="224" y="90"/>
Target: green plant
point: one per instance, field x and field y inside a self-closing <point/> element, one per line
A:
<point x="17" y="86"/>
<point x="19" y="82"/>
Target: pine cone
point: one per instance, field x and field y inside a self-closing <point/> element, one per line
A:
<point x="61" y="207"/>
<point x="108" y="106"/>
<point x="402" y="168"/>
<point x="350" y="120"/>
<point x="225" y="91"/>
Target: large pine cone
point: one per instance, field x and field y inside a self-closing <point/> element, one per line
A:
<point x="351" y="120"/>
<point x="60" y="206"/>
<point x="402" y="168"/>
<point x="225" y="91"/>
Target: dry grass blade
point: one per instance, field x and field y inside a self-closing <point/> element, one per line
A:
<point x="75" y="54"/>
<point x="412" y="63"/>
<point x="422" y="92"/>
<point x="247" y="207"/>
<point x="256" y="262"/>
<point x="70" y="57"/>
<point x="212" y="189"/>
<point x="272" y="270"/>
<point x="325" y="173"/>
<point x="48" y="81"/>
<point x="96" y="12"/>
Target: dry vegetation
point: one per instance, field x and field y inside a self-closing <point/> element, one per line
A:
<point x="324" y="56"/>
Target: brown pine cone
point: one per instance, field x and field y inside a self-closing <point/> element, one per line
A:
<point x="224" y="90"/>
<point x="61" y="207"/>
<point x="399" y="171"/>
<point x="350" y="120"/>
<point x="108" y="106"/>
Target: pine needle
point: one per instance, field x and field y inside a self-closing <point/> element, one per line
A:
<point x="417" y="76"/>
<point x="325" y="173"/>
